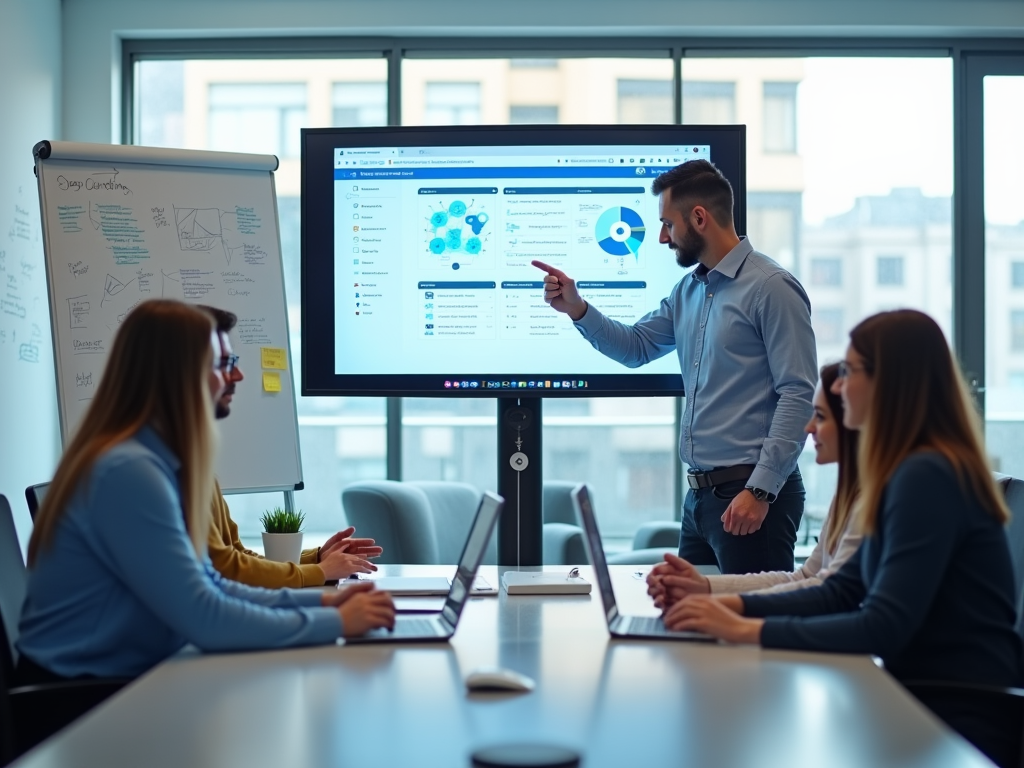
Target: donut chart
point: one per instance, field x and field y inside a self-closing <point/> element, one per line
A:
<point x="620" y="231"/>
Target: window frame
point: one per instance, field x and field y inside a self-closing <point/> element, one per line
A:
<point x="972" y="60"/>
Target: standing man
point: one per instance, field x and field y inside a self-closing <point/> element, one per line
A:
<point x="338" y="558"/>
<point x="741" y="326"/>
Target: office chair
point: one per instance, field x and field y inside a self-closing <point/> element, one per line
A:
<point x="31" y="713"/>
<point x="34" y="496"/>
<point x="1002" y="706"/>
<point x="427" y="521"/>
<point x="414" y="522"/>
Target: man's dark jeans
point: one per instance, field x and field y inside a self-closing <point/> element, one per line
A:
<point x="703" y="540"/>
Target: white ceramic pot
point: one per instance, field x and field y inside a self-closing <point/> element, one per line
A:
<point x="283" y="547"/>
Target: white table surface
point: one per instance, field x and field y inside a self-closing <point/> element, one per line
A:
<point x="620" y="703"/>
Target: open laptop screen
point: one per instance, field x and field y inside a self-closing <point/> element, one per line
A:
<point x="472" y="554"/>
<point x="585" y="512"/>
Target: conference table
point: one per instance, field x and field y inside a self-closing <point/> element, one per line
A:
<point x="617" y="702"/>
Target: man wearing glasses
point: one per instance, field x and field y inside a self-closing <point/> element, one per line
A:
<point x="338" y="558"/>
<point x="741" y="327"/>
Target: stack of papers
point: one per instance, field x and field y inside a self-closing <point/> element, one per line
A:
<point x="421" y="586"/>
<point x="543" y="583"/>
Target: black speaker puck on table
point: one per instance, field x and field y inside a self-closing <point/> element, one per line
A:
<point x="526" y="756"/>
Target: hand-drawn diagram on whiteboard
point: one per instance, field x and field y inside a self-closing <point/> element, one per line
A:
<point x="208" y="229"/>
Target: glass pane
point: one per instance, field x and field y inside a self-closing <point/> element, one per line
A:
<point x="259" y="106"/>
<point x="850" y="173"/>
<point x="709" y="102"/>
<point x="1004" y="273"/>
<point x="624" y="448"/>
<point x="358" y="105"/>
<point x="502" y="91"/>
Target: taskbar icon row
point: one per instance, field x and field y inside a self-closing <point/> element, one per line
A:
<point x="516" y="384"/>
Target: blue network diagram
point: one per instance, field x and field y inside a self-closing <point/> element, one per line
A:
<point x="457" y="232"/>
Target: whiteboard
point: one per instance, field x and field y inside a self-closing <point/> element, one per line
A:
<point x="122" y="224"/>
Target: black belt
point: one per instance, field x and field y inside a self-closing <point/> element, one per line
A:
<point x="697" y="480"/>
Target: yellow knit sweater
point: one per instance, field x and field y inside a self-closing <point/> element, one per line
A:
<point x="237" y="563"/>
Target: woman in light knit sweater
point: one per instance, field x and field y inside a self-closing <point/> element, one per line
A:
<point x="674" y="579"/>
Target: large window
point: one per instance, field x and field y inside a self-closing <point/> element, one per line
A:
<point x="1004" y="242"/>
<point x="836" y="217"/>
<point x="259" y="106"/>
<point x="850" y="182"/>
<point x="499" y="91"/>
<point x="360" y="105"/>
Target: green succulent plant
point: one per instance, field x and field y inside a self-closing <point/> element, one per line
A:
<point x="279" y="520"/>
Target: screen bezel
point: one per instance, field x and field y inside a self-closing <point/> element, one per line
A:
<point x="318" y="377"/>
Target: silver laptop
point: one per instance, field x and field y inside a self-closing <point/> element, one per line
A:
<point x="619" y="625"/>
<point x="442" y="626"/>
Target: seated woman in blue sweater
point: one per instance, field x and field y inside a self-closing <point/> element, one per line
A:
<point x="931" y="589"/>
<point x="118" y="577"/>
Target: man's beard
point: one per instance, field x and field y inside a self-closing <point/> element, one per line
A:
<point x="221" y="410"/>
<point x="689" y="251"/>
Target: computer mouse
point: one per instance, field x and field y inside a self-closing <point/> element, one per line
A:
<point x="497" y="679"/>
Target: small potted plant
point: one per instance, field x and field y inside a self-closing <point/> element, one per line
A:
<point x="282" y="537"/>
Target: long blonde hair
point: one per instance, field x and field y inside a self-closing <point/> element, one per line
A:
<point x="920" y="402"/>
<point x="156" y="374"/>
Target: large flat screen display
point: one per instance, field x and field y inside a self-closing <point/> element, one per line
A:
<point x="417" y="246"/>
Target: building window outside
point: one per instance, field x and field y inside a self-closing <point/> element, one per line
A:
<point x="257" y="117"/>
<point x="709" y="103"/>
<point x="452" y="104"/>
<point x="890" y="270"/>
<point x="780" y="117"/>
<point x="529" y="114"/>
<point x="827" y="272"/>
<point x="773" y="225"/>
<point x="644" y="101"/>
<point x="357" y="105"/>
<point x="1017" y="330"/>
<point x="1017" y="274"/>
<point x="1016" y="380"/>
<point x="828" y="325"/>
<point x="533" y="63"/>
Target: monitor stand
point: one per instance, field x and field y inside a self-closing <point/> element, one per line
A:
<point x="520" y="481"/>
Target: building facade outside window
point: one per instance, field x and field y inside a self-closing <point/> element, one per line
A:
<point x="1017" y="274"/>
<point x="360" y="105"/>
<point x="780" y="117"/>
<point x="709" y="102"/>
<point x="828" y="325"/>
<point x="827" y="272"/>
<point x="890" y="270"/>
<point x="1017" y="330"/>
<point x="644" y="101"/>
<point x="257" y="117"/>
<point x="452" y="104"/>
<point x="525" y="114"/>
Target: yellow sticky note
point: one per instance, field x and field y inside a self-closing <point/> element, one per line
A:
<point x="271" y="382"/>
<point x="274" y="357"/>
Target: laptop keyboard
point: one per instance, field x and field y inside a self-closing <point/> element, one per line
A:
<point x="647" y="625"/>
<point x="415" y="628"/>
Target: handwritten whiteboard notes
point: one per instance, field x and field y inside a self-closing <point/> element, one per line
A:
<point x="164" y="224"/>
<point x="23" y="330"/>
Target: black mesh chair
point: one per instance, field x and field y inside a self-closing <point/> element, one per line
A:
<point x="31" y="713"/>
